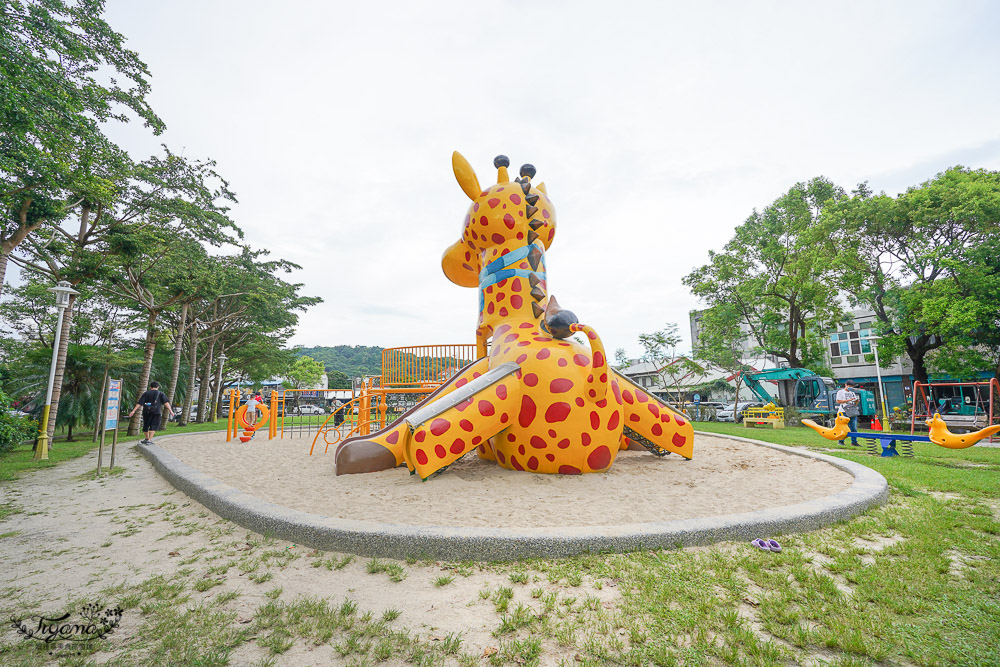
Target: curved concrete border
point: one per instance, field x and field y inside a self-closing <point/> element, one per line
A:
<point x="473" y="543"/>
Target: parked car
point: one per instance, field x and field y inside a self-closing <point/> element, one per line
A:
<point x="726" y="414"/>
<point x="309" y="410"/>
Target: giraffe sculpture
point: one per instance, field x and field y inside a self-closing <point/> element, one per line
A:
<point x="532" y="401"/>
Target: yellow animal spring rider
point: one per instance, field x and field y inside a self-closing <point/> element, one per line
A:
<point x="938" y="434"/>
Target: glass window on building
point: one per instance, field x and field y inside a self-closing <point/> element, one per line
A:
<point x="840" y="345"/>
<point x="866" y="345"/>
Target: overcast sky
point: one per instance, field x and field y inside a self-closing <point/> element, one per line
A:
<point x="657" y="128"/>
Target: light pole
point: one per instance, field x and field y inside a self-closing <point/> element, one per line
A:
<point x="62" y="290"/>
<point x="218" y="383"/>
<point x="881" y="388"/>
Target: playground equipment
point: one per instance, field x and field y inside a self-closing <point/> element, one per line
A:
<point x="965" y="406"/>
<point x="938" y="434"/>
<point x="770" y="414"/>
<point x="531" y="400"/>
<point x="250" y="422"/>
<point x="813" y="394"/>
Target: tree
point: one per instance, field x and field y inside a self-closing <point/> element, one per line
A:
<point x="303" y="373"/>
<point x="14" y="429"/>
<point x="53" y="108"/>
<point x="918" y="262"/>
<point x="775" y="278"/>
<point x="721" y="342"/>
<point x="660" y="351"/>
<point x="621" y="358"/>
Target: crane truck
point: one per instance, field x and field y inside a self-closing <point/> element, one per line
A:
<point x="813" y="395"/>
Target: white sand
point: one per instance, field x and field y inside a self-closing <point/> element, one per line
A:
<point x="725" y="477"/>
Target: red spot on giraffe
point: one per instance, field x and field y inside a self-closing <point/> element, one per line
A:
<point x="440" y="451"/>
<point x="520" y="236"/>
<point x="468" y="256"/>
<point x="521" y="358"/>
<point x="421" y="457"/>
<point x="503" y="418"/>
<point x="515" y="198"/>
<point x="501" y="457"/>
<point x="641" y="396"/>
<point x="508" y="220"/>
<point x="664" y="417"/>
<point x="560" y="385"/>
<point x="552" y="433"/>
<point x="515" y="464"/>
<point x="617" y="392"/>
<point x="678" y="440"/>
<point x="464" y="404"/>
<point x="520" y="450"/>
<point x="595" y="420"/>
<point x="458" y="446"/>
<point x="613" y="421"/>
<point x="497" y="238"/>
<point x="580" y="401"/>
<point x="439" y="426"/>
<point x="590" y="378"/>
<point x="490" y="308"/>
<point x="524" y="343"/>
<point x="501" y="296"/>
<point x="466" y="425"/>
<point x="493" y="202"/>
<point x="580" y="360"/>
<point x="503" y="312"/>
<point x="527" y="414"/>
<point x="533" y="463"/>
<point x="516" y="285"/>
<point x="475" y="207"/>
<point x="592" y="393"/>
<point x="530" y="379"/>
<point x="511" y="337"/>
<point x="657" y="430"/>
<point x="654" y="409"/>
<point x="393" y="438"/>
<point x="604" y="378"/>
<point x="461" y="382"/>
<point x="500" y="330"/>
<point x="545" y="214"/>
<point x="483" y="221"/>
<point x="486" y="408"/>
<point x="627" y="397"/>
<point x="511" y="437"/>
<point x="525" y="325"/>
<point x="633" y="417"/>
<point x="543" y="353"/>
<point x="537" y="442"/>
<point x="680" y="421"/>
<point x="482" y="449"/>
<point x="420" y="435"/>
<point x="476" y="440"/>
<point x="550" y="457"/>
<point x="517" y="301"/>
<point x="569" y="470"/>
<point x="563" y="444"/>
<point x="600" y="458"/>
<point x="501" y="391"/>
<point x="467" y="267"/>
<point x="562" y="362"/>
<point x="585" y="438"/>
<point x="557" y="412"/>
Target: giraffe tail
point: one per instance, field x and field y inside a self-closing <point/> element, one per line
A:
<point x="598" y="380"/>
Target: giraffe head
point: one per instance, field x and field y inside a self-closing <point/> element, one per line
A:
<point x="510" y="211"/>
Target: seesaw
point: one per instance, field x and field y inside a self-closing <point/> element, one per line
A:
<point x="938" y="434"/>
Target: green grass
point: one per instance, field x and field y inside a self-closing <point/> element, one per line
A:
<point x="19" y="460"/>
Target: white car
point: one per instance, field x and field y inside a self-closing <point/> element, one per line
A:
<point x="726" y="414"/>
<point x="310" y="410"/>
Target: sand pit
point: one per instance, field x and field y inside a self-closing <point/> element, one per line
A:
<point x="726" y="477"/>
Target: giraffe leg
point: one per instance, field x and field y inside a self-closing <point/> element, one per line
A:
<point x="653" y="424"/>
<point x="443" y="438"/>
<point x="384" y="450"/>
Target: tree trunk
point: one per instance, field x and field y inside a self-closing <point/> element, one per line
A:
<point x="192" y="375"/>
<point x="100" y="410"/>
<point x="204" y="389"/>
<point x="147" y="364"/>
<point x="176" y="368"/>
<point x="4" y="256"/>
<point x="217" y="394"/>
<point x="60" y="366"/>
<point x="69" y="434"/>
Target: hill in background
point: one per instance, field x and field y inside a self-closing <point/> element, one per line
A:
<point x="343" y="362"/>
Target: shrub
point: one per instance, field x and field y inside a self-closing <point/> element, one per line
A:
<point x="13" y="429"/>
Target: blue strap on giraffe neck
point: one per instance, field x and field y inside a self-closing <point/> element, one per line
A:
<point x="497" y="270"/>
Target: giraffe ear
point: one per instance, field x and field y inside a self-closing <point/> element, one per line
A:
<point x="541" y="187"/>
<point x="465" y="175"/>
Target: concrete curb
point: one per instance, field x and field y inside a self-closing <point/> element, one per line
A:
<point x="869" y="489"/>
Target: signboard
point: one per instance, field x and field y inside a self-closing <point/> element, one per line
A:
<point x="697" y="398"/>
<point x="114" y="400"/>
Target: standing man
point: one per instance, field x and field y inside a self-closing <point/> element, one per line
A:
<point x="152" y="403"/>
<point x="848" y="402"/>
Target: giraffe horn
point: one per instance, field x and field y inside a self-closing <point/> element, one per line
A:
<point x="501" y="162"/>
<point x="541" y="187"/>
<point x="465" y="175"/>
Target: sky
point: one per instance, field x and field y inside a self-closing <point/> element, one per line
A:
<point x="657" y="128"/>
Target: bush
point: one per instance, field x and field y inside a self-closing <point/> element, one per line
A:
<point x="13" y="429"/>
<point x="793" y="417"/>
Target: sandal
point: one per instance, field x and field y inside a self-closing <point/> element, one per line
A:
<point x="773" y="546"/>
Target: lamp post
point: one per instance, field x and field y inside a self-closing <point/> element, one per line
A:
<point x="62" y="290"/>
<point x="218" y="383"/>
<point x="881" y="388"/>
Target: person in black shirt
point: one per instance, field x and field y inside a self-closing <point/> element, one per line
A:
<point x="152" y="403"/>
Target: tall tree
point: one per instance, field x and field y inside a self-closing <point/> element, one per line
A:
<point x="721" y="342"/>
<point x="918" y="260"/>
<point x="660" y="351"/>
<point x="64" y="75"/>
<point x="774" y="278"/>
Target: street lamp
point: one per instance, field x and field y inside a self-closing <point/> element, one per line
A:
<point x="881" y="388"/>
<point x="218" y="383"/>
<point x="62" y="290"/>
